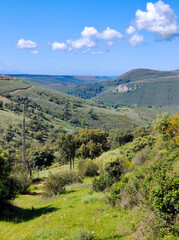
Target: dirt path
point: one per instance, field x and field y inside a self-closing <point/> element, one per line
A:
<point x="21" y="90"/>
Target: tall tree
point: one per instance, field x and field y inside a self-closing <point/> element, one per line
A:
<point x="67" y="148"/>
<point x="91" y="142"/>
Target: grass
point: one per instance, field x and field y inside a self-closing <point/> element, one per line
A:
<point x="9" y="118"/>
<point x="45" y="172"/>
<point x="11" y="85"/>
<point x="63" y="216"/>
<point x="78" y="109"/>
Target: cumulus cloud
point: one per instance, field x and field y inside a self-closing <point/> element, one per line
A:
<point x="130" y="30"/>
<point x="136" y="40"/>
<point x="89" y="32"/>
<point x="89" y="39"/>
<point x="110" y="34"/>
<point x="158" y="18"/>
<point x="25" y="44"/>
<point x="59" y="46"/>
<point x="82" y="42"/>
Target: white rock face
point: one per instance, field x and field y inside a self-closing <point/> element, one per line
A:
<point x="126" y="88"/>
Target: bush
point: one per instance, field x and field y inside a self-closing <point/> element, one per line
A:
<point x="89" y="199"/>
<point x="119" y="138"/>
<point x="138" y="144"/>
<point x="114" y="169"/>
<point x="141" y="132"/>
<point x="83" y="235"/>
<point x="101" y="183"/>
<point x="165" y="199"/>
<point x="88" y="168"/>
<point x="22" y="176"/>
<point x="114" y="193"/>
<point x="9" y="186"/>
<point x="141" y="156"/>
<point x="55" y="183"/>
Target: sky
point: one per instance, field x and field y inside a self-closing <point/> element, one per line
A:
<point x="88" y="37"/>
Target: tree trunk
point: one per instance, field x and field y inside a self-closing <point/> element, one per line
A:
<point x="73" y="163"/>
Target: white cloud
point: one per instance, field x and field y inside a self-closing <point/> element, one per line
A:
<point x="110" y="43"/>
<point x="34" y="52"/>
<point x="110" y="34"/>
<point x="25" y="44"/>
<point x="59" y="46"/>
<point x="82" y="42"/>
<point x="158" y="18"/>
<point x="97" y="53"/>
<point x="89" y="32"/>
<point x="130" y="30"/>
<point x="136" y="40"/>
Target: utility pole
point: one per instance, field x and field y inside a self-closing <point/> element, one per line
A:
<point x="23" y="138"/>
<point x="24" y="160"/>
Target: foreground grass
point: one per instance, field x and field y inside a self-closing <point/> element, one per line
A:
<point x="61" y="217"/>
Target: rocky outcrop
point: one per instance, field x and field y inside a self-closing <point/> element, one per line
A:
<point x="126" y="88"/>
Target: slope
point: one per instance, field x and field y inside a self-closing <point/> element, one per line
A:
<point x="139" y="86"/>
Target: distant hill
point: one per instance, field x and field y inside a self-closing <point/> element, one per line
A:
<point x="138" y="86"/>
<point x="49" y="112"/>
<point x="68" y="112"/>
<point x="61" y="83"/>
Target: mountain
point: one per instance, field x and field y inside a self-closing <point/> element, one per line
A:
<point x="63" y="111"/>
<point x="138" y="86"/>
<point x="61" y="83"/>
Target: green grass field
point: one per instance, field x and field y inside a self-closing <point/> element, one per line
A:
<point x="63" y="216"/>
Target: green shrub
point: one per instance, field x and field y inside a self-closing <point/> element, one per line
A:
<point x="165" y="198"/>
<point x="83" y="235"/>
<point x="22" y="175"/>
<point x="88" y="168"/>
<point x="55" y="183"/>
<point x="114" y="193"/>
<point x="141" y="156"/>
<point x="141" y="132"/>
<point x="119" y="138"/>
<point x="101" y="183"/>
<point x="114" y="169"/>
<point x="92" y="198"/>
<point x="138" y="144"/>
<point x="9" y="186"/>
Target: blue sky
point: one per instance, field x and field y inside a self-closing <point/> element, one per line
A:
<point x="94" y="37"/>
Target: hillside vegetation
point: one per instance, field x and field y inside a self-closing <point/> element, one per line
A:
<point x="133" y="196"/>
<point x="140" y="86"/>
<point x="49" y="113"/>
<point x="61" y="83"/>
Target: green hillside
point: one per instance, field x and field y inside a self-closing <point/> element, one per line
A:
<point x="140" y="86"/>
<point x="49" y="112"/>
<point x="132" y="194"/>
<point x="61" y="83"/>
<point x="8" y="84"/>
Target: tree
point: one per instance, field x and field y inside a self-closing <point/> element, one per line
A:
<point x="9" y="186"/>
<point x="119" y="138"/>
<point x="66" y="145"/>
<point x="1" y="105"/>
<point x="41" y="159"/>
<point x="168" y="127"/>
<point x="91" y="142"/>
